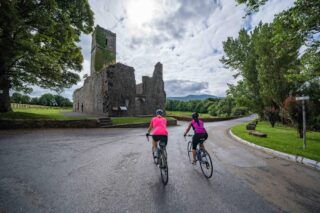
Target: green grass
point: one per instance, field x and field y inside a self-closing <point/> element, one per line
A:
<point x="133" y="120"/>
<point x="187" y="114"/>
<point x="41" y="113"/>
<point x="283" y="139"/>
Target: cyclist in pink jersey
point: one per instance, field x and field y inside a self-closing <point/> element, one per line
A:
<point x="200" y="134"/>
<point x="159" y="126"/>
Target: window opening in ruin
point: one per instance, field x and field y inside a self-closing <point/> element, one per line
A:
<point x="110" y="84"/>
<point x="106" y="42"/>
<point x="127" y="102"/>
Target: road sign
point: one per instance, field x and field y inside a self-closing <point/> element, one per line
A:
<point x="302" y="98"/>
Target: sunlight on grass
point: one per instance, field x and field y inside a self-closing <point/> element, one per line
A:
<point x="42" y="113"/>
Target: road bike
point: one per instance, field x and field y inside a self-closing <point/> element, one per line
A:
<point x="161" y="160"/>
<point x="202" y="156"/>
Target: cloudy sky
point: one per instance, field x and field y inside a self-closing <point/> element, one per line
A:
<point x="184" y="35"/>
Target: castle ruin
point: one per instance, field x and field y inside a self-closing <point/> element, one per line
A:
<point x="111" y="88"/>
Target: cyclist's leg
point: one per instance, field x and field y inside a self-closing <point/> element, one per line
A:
<point x="155" y="139"/>
<point x="203" y="138"/>
<point x="194" y="146"/>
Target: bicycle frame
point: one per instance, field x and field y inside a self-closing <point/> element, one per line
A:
<point x="162" y="161"/>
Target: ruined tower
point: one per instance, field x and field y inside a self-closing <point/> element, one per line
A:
<point x="103" y="49"/>
<point x="111" y="88"/>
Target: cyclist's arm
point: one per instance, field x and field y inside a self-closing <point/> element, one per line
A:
<point x="150" y="128"/>
<point x="188" y="129"/>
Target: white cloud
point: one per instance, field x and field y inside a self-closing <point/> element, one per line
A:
<point x="184" y="35"/>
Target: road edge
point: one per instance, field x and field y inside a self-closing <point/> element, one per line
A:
<point x="295" y="158"/>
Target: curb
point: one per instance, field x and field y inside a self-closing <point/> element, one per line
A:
<point x="294" y="158"/>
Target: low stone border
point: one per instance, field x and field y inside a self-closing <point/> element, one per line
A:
<point x="85" y="123"/>
<point x="181" y="118"/>
<point x="294" y="158"/>
<point x="141" y="125"/>
<point x="43" y="123"/>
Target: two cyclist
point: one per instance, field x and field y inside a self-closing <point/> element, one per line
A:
<point x="200" y="134"/>
<point x="160" y="133"/>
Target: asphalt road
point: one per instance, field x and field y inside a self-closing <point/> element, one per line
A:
<point x="111" y="170"/>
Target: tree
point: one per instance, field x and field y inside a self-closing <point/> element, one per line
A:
<point x="47" y="100"/>
<point x="241" y="57"/>
<point x="19" y="98"/>
<point x="40" y="42"/>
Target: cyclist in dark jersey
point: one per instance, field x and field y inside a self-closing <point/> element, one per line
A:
<point x="200" y="134"/>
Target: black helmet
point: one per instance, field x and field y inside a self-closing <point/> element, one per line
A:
<point x="195" y="115"/>
<point x="159" y="112"/>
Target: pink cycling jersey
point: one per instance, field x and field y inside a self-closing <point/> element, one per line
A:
<point x="198" y="127"/>
<point x="159" y="125"/>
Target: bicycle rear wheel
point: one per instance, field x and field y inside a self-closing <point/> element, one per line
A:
<point x="189" y="149"/>
<point x="163" y="164"/>
<point x="206" y="164"/>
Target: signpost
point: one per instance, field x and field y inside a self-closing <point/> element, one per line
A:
<point x="303" y="99"/>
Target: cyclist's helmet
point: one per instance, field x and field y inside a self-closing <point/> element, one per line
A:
<point x="159" y="112"/>
<point x="195" y="115"/>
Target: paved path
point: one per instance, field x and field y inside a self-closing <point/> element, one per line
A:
<point x="111" y="170"/>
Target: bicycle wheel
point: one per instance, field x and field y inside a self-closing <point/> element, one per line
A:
<point x="189" y="149"/>
<point x="163" y="165"/>
<point x="206" y="164"/>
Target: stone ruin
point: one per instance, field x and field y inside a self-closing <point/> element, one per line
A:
<point x="111" y="88"/>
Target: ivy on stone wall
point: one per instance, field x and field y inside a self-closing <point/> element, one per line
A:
<point x="103" y="56"/>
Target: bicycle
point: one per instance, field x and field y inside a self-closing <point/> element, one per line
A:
<point x="161" y="160"/>
<point x="203" y="157"/>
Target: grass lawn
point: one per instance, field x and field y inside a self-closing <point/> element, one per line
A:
<point x="133" y="120"/>
<point x="283" y="139"/>
<point x="187" y="114"/>
<point x="41" y="113"/>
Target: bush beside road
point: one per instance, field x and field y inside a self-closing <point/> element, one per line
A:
<point x="283" y="139"/>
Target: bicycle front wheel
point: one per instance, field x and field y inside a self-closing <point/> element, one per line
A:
<point x="189" y="149"/>
<point x="206" y="164"/>
<point x="163" y="164"/>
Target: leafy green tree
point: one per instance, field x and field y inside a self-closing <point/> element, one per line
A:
<point x="19" y="98"/>
<point x="40" y="42"/>
<point x="34" y="101"/>
<point x="47" y="100"/>
<point x="241" y="57"/>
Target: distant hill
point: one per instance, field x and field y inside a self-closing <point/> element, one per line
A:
<point x="192" y="97"/>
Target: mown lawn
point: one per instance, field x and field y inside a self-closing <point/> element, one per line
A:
<point x="283" y="139"/>
<point x="187" y="114"/>
<point x="133" y="120"/>
<point x="41" y="113"/>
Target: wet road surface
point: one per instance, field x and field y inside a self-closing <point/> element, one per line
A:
<point x="111" y="170"/>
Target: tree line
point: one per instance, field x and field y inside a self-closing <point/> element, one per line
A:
<point x="45" y="100"/>
<point x="278" y="62"/>
<point x="222" y="107"/>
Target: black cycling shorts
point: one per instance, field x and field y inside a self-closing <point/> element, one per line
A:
<point x="198" y="138"/>
<point x="162" y="138"/>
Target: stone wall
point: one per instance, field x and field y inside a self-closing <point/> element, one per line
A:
<point x="103" y="49"/>
<point x="121" y="90"/>
<point x="110" y="92"/>
<point x="90" y="97"/>
<point x="153" y="90"/>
